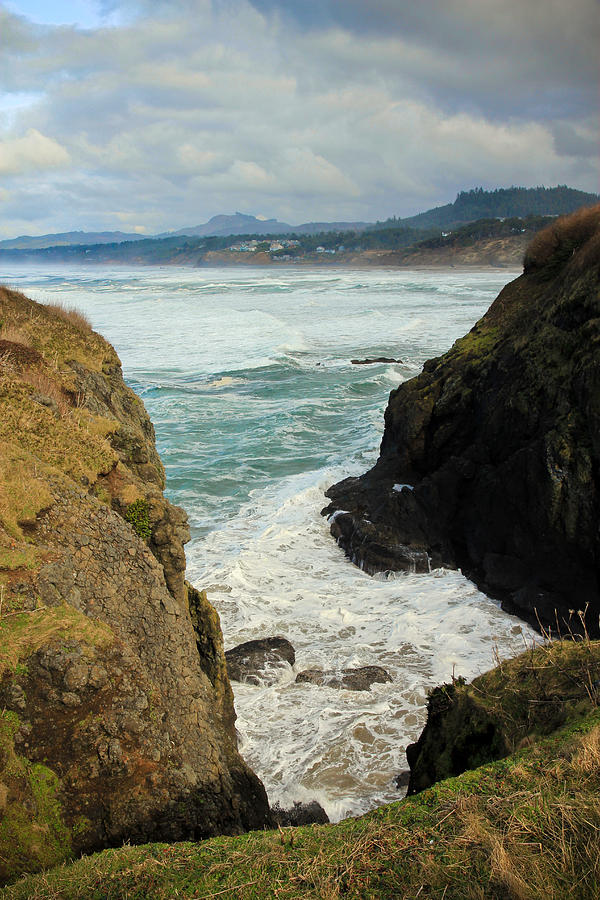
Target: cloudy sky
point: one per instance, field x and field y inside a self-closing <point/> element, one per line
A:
<point x="151" y="115"/>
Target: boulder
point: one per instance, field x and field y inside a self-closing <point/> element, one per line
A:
<point x="402" y="779"/>
<point x="260" y="661"/>
<point x="359" y="679"/>
<point x="300" y="814"/>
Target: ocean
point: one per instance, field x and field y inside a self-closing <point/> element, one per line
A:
<point x="247" y="376"/>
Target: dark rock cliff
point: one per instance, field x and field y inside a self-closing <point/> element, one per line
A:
<point x="490" y="459"/>
<point x="116" y="713"/>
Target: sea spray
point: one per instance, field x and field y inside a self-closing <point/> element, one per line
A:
<point x="257" y="408"/>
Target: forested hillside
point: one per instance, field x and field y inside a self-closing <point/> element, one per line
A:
<point x="498" y="204"/>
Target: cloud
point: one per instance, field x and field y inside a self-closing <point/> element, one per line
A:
<point x="353" y="110"/>
<point x="33" y="152"/>
<point x="195" y="160"/>
<point x="467" y="26"/>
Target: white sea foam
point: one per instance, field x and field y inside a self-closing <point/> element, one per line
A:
<point x="251" y="463"/>
<point x="288" y="578"/>
<point x="225" y="381"/>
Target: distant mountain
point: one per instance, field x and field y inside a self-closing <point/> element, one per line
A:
<point x="499" y="204"/>
<point x="240" y="223"/>
<point x="469" y="206"/>
<point x="67" y="239"/>
<point x="218" y="226"/>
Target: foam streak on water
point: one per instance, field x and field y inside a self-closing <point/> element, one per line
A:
<point x="257" y="409"/>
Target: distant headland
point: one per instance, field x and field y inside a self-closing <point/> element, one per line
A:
<point x="480" y="228"/>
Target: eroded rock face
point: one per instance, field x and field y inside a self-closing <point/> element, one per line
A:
<point x="499" y="440"/>
<point x="260" y="661"/>
<point x="116" y="713"/>
<point x="359" y="679"/>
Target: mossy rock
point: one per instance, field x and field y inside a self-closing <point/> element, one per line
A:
<point x="520" y="700"/>
<point x="33" y="833"/>
<point x="138" y="516"/>
<point x="499" y="439"/>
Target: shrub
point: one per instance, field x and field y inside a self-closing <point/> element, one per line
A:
<point x="138" y="516"/>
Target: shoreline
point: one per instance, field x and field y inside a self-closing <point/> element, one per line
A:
<point x="346" y="266"/>
<point x="487" y="254"/>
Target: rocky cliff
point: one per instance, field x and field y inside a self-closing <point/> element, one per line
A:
<point x="116" y="714"/>
<point x="490" y="458"/>
<point x="506" y="709"/>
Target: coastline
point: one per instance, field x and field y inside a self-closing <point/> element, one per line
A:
<point x="493" y="254"/>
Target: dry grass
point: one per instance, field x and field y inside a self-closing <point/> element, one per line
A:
<point x="22" y="493"/>
<point x="49" y="388"/>
<point x="59" y="333"/>
<point x="586" y="760"/>
<point x="15" y="335"/>
<point x="42" y="442"/>
<point x="22" y="633"/>
<point x="576" y="235"/>
<point x="72" y="315"/>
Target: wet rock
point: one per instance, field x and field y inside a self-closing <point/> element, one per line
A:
<point x="300" y="814"/>
<point x="258" y="662"/>
<point x="359" y="679"/>
<point x="376" y="359"/>
<point x="501" y="447"/>
<point x="403" y="778"/>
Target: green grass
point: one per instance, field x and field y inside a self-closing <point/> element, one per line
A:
<point x="524" y="827"/>
<point x="22" y="633"/>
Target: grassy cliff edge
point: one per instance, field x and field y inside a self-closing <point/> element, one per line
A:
<point x="524" y="826"/>
<point x="116" y="713"/>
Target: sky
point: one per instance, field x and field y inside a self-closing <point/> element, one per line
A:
<point x="152" y="115"/>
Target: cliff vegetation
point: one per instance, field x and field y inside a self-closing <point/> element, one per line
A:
<point x="116" y="719"/>
<point x="524" y="825"/>
<point x="116" y="714"/>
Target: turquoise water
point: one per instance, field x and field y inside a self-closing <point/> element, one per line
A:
<point x="247" y="377"/>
